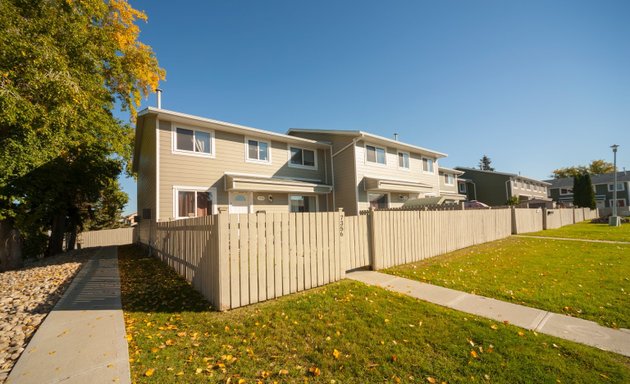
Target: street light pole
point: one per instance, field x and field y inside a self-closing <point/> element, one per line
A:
<point x="614" y="220"/>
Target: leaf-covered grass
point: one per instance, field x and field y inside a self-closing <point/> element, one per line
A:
<point x="345" y="333"/>
<point x="586" y="230"/>
<point x="587" y="280"/>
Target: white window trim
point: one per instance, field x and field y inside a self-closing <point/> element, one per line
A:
<point x="398" y="160"/>
<point x="185" y="188"/>
<point x="256" y="161"/>
<point x="452" y="177"/>
<point x="376" y="163"/>
<point x="291" y="165"/>
<point x="422" y="165"/>
<point x="176" y="151"/>
<point x="611" y="187"/>
<point x="459" y="187"/>
<point x="304" y="194"/>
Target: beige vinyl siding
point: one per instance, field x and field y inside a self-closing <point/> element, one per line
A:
<point x="146" y="168"/>
<point x="194" y="171"/>
<point x="448" y="188"/>
<point x="391" y="171"/>
<point x="338" y="141"/>
<point x="345" y="187"/>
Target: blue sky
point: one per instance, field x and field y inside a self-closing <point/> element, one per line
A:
<point x="535" y="85"/>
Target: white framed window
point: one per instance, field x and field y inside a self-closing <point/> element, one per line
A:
<point x="403" y="160"/>
<point x="449" y="179"/>
<point x="192" y="141"/>
<point x="566" y="191"/>
<point x="302" y="203"/>
<point x="257" y="151"/>
<point x="427" y="165"/>
<point x="375" y="155"/>
<point x="462" y="187"/>
<point x="302" y="158"/>
<point x="194" y="201"/>
<point x="620" y="187"/>
<point x="620" y="202"/>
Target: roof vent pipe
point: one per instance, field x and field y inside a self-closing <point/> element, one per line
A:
<point x="396" y="136"/>
<point x="159" y="98"/>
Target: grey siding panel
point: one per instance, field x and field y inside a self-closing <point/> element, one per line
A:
<point x="146" y="169"/>
<point x="345" y="188"/>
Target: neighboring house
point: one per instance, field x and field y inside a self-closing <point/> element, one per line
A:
<point x="130" y="220"/>
<point x="450" y="187"/>
<point x="496" y="188"/>
<point x="374" y="171"/>
<point x="191" y="166"/>
<point x="561" y="190"/>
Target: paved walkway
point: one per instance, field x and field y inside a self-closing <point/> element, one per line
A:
<point x="82" y="340"/>
<point x="565" y="327"/>
<point x="573" y="239"/>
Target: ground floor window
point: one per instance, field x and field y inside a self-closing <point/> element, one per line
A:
<point x="378" y="200"/>
<point x="194" y="203"/>
<point x="302" y="203"/>
<point x="620" y="202"/>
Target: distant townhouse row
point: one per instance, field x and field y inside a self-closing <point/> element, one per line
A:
<point x="191" y="166"/>
<point x="561" y="190"/>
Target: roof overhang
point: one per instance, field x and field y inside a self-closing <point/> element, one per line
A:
<point x="273" y="184"/>
<point x="386" y="185"/>
<point x="184" y="118"/>
<point x="454" y="196"/>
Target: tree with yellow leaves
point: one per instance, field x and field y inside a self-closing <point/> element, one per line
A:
<point x="63" y="66"/>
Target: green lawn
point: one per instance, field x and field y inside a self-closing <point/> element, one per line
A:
<point x="343" y="333"/>
<point x="587" y="280"/>
<point x="586" y="230"/>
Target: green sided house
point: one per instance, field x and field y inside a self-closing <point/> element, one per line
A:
<point x="190" y="166"/>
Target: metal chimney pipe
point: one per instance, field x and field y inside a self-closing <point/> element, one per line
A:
<point x="396" y="136"/>
<point x="159" y="98"/>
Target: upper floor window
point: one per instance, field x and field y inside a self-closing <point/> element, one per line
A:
<point x="462" y="188"/>
<point x="375" y="154"/>
<point x="258" y="151"/>
<point x="301" y="157"/>
<point x="566" y="191"/>
<point x="194" y="141"/>
<point x="448" y="179"/>
<point x="620" y="187"/>
<point x="403" y="160"/>
<point x="427" y="165"/>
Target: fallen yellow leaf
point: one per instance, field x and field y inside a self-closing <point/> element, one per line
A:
<point x="336" y="354"/>
<point x="431" y="380"/>
<point x="314" y="371"/>
<point x="473" y="354"/>
<point x="283" y="372"/>
<point x="149" y="372"/>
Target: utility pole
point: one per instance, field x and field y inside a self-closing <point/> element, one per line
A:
<point x="614" y="219"/>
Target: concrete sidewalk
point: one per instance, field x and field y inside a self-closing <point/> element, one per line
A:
<point x="83" y="338"/>
<point x="565" y="327"/>
<point x="573" y="239"/>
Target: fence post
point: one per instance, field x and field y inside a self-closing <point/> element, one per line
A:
<point x="222" y="272"/>
<point x="376" y="261"/>
<point x="574" y="215"/>
<point x="544" y="213"/>
<point x="514" y="226"/>
<point x="340" y="254"/>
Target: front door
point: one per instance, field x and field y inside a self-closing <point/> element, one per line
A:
<point x="240" y="202"/>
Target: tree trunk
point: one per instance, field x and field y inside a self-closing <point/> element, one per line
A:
<point x="58" y="229"/>
<point x="10" y="247"/>
<point x="71" y="240"/>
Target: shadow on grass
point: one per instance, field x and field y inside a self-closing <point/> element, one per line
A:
<point x="147" y="285"/>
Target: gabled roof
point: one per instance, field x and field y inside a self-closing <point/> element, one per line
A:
<point x="372" y="137"/>
<point x="595" y="179"/>
<point x="184" y="118"/>
<point x="511" y="175"/>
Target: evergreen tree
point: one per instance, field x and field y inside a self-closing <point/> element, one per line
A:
<point x="485" y="164"/>
<point x="583" y="194"/>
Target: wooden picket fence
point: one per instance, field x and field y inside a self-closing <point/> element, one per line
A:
<point x="237" y="260"/>
<point x="107" y="237"/>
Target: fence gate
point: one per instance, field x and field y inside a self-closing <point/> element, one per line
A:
<point x="356" y="242"/>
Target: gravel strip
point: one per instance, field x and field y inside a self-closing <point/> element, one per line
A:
<point x="28" y="295"/>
